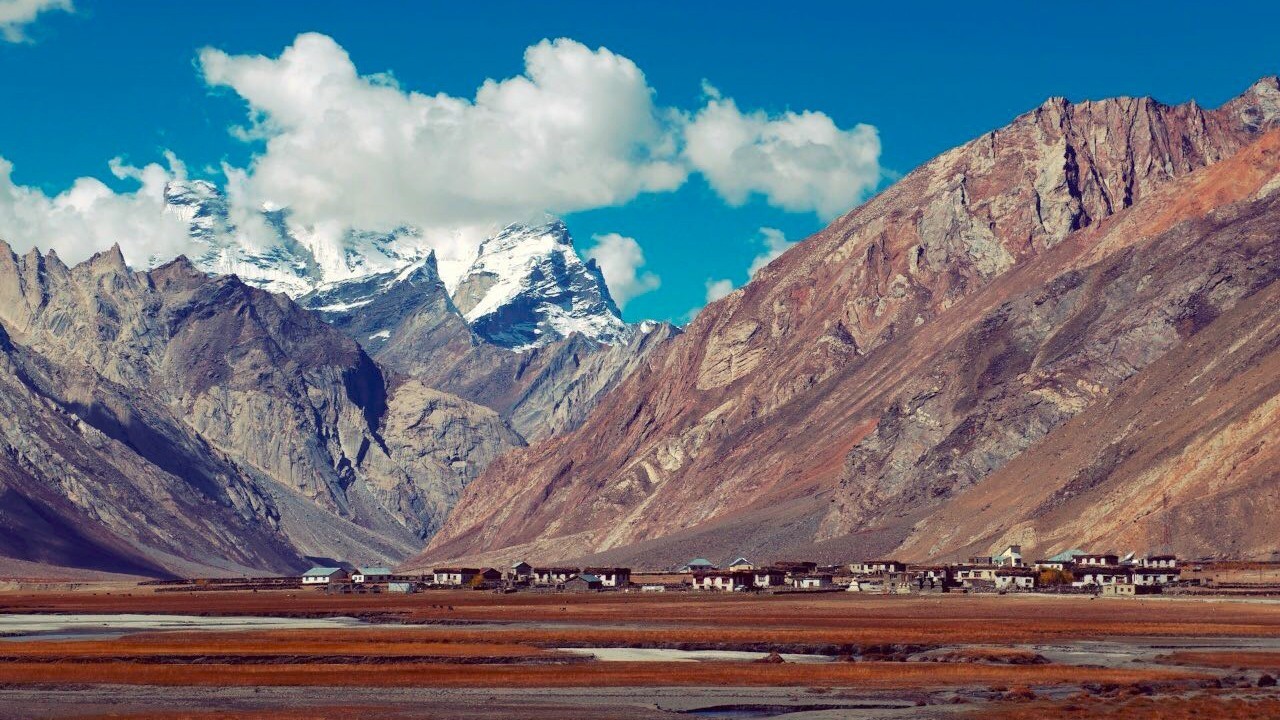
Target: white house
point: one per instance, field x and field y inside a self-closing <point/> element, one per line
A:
<point x="1154" y="575"/>
<point x="1159" y="561"/>
<point x="768" y="577"/>
<point x="1100" y="576"/>
<point x="456" y="577"/>
<point x="611" y="577"/>
<point x="323" y="575"/>
<point x="742" y="564"/>
<point x="872" y="567"/>
<point x="1015" y="579"/>
<point x="370" y="575"/>
<point x="553" y="575"/>
<point x="722" y="580"/>
<point x="813" y="582"/>
<point x="967" y="574"/>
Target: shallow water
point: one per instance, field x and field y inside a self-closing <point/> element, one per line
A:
<point x="51" y="626"/>
<point x="664" y="655"/>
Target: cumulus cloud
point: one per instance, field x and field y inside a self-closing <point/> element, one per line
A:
<point x="775" y="243"/>
<point x="577" y="130"/>
<point x="717" y="289"/>
<point x="16" y="15"/>
<point x="90" y="216"/>
<point x="620" y="259"/>
<point x="796" y="161"/>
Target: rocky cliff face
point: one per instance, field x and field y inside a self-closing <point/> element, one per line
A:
<point x="308" y="438"/>
<point x="910" y="351"/>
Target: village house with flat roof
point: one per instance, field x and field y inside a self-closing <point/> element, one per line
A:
<point x="371" y="575"/>
<point x="723" y="580"/>
<point x="454" y="576"/>
<point x="611" y="577"/>
<point x="552" y="575"/>
<point x="871" y="567"/>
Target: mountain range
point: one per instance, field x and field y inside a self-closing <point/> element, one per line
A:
<point x="1062" y="333"/>
<point x="1059" y="334"/>
<point x="182" y="421"/>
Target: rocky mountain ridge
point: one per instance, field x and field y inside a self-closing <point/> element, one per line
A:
<point x="216" y="403"/>
<point x="527" y="287"/>
<point x="530" y="331"/>
<point x="827" y="407"/>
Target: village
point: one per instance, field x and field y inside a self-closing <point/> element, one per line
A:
<point x="1072" y="571"/>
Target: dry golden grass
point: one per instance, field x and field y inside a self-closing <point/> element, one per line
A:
<point x="1226" y="659"/>
<point x="1005" y="655"/>
<point x="830" y="618"/>
<point x="306" y="713"/>
<point x="612" y="674"/>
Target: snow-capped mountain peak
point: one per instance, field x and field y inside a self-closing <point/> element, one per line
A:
<point x="528" y="286"/>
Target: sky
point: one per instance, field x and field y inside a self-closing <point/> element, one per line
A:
<point x="684" y="144"/>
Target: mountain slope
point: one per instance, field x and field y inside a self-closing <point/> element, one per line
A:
<point x="770" y="424"/>
<point x="332" y="459"/>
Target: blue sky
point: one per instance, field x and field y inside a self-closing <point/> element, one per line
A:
<point x="121" y="79"/>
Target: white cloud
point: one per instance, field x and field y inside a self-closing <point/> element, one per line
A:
<point x="620" y="259"/>
<point x="577" y="130"/>
<point x="797" y="161"/>
<point x="717" y="289"/>
<point x="15" y="15"/>
<point x="90" y="216"/>
<point x="775" y="243"/>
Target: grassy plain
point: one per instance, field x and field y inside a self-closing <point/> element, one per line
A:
<point x="440" y="646"/>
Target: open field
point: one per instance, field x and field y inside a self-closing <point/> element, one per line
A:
<point x="470" y="654"/>
<point x="1269" y="661"/>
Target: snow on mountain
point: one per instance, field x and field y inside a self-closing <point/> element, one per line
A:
<point x="281" y="256"/>
<point x="528" y="287"/>
<point x="370" y="308"/>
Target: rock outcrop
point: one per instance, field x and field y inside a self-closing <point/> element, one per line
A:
<point x="915" y="349"/>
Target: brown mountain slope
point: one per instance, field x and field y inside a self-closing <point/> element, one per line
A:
<point x="201" y="410"/>
<point x="782" y="401"/>
<point x="1184" y="457"/>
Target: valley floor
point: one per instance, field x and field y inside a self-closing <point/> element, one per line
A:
<point x="471" y="654"/>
